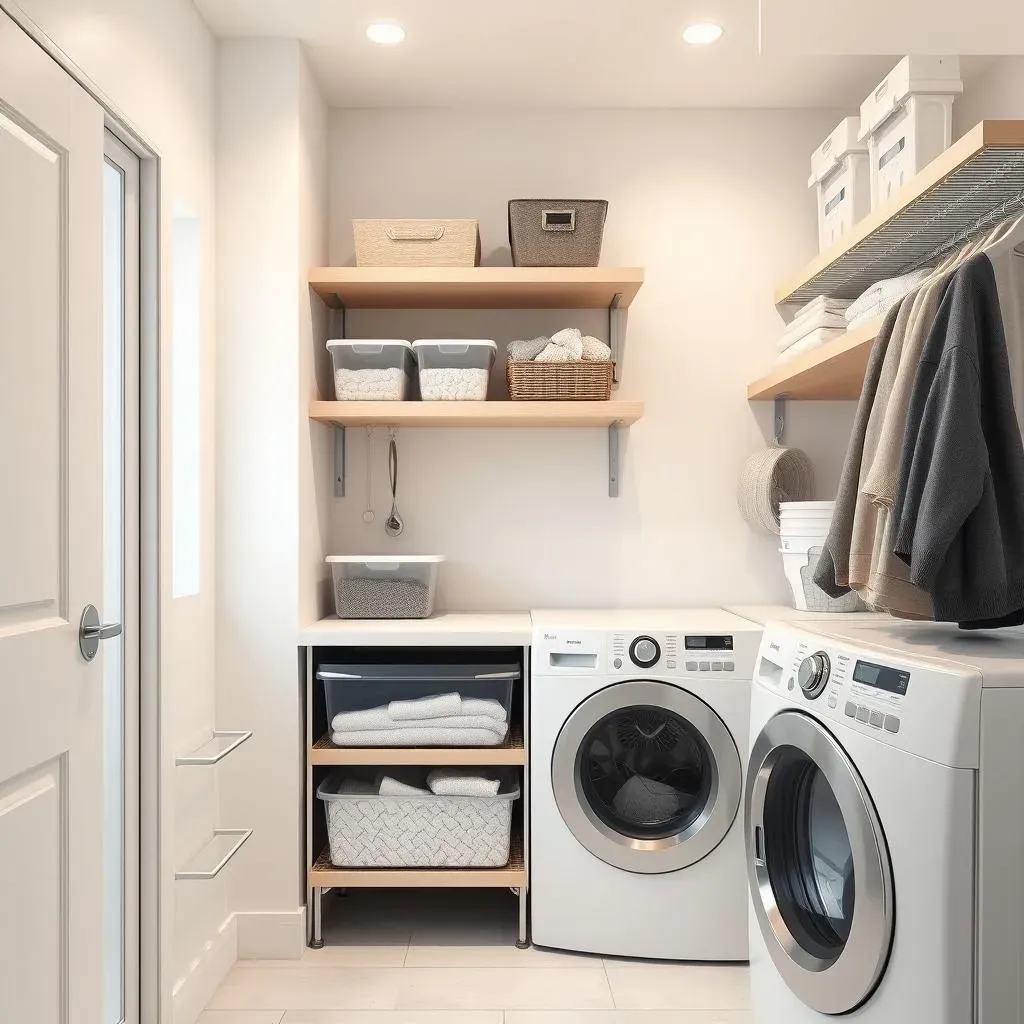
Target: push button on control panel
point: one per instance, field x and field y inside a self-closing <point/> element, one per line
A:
<point x="705" y="666"/>
<point x="730" y="666"/>
<point x="863" y="714"/>
<point x="892" y="724"/>
<point x="876" y="719"/>
<point x="716" y="666"/>
<point x="691" y="666"/>
<point x="832" y="702"/>
<point x="851" y="709"/>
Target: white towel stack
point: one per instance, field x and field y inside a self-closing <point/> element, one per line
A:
<point x="446" y="720"/>
<point x="567" y="346"/>
<point x="438" y="782"/>
<point x="877" y="300"/>
<point x="821" y="320"/>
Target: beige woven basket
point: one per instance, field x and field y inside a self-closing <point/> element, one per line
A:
<point x="560" y="382"/>
<point x="416" y="243"/>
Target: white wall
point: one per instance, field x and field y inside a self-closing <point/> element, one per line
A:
<point x="999" y="93"/>
<point x="714" y="205"/>
<point x="154" y="62"/>
<point x="272" y="211"/>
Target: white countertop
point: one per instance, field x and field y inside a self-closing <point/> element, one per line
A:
<point x="451" y="629"/>
<point x="763" y="613"/>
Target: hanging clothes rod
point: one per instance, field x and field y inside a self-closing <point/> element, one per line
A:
<point x="1005" y="211"/>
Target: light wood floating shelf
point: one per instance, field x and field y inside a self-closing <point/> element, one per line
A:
<point x="834" y="370"/>
<point x="979" y="175"/>
<point x="512" y="752"/>
<point x="324" y="874"/>
<point x="476" y="414"/>
<point x="477" y="287"/>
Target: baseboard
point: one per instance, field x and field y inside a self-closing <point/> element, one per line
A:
<point x="271" y="936"/>
<point x="205" y="973"/>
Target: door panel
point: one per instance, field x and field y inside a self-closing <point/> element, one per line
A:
<point x="51" y="798"/>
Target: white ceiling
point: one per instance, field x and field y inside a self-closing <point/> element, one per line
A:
<point x="528" y="53"/>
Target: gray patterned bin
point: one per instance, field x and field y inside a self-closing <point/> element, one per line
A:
<point x="410" y="831"/>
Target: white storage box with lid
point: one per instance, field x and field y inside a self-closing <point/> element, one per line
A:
<point x="412" y="831"/>
<point x="367" y="692"/>
<point x="841" y="174"/>
<point x="453" y="370"/>
<point x="384" y="586"/>
<point x="371" y="371"/>
<point x="416" y="243"/>
<point x="908" y="120"/>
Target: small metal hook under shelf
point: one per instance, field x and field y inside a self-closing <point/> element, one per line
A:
<point x="779" y="420"/>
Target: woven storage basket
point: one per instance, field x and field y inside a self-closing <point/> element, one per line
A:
<point x="556" y="232"/>
<point x="560" y="382"/>
<point x="418" y="831"/>
<point x="416" y="243"/>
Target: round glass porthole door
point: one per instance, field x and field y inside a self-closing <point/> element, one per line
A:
<point x="818" y="865"/>
<point x="646" y="776"/>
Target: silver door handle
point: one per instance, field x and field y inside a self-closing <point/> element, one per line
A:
<point x="91" y="631"/>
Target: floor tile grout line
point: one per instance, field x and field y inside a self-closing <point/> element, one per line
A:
<point x="608" y="982"/>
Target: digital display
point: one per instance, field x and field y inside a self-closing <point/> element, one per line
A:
<point x="892" y="680"/>
<point x="708" y="643"/>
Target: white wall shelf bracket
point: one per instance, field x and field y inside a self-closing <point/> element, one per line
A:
<point x="211" y="860"/>
<point x="617" y="314"/>
<point x="614" y="458"/>
<point x="215" y="749"/>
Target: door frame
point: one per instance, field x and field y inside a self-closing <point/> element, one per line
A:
<point x="156" y="874"/>
<point x="835" y="985"/>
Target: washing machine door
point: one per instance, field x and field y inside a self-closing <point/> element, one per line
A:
<point x="646" y="776"/>
<point x="820" y="876"/>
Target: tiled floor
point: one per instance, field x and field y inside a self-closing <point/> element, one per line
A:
<point x="450" y="958"/>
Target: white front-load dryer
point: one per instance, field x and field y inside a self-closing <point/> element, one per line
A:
<point x="884" y="825"/>
<point x="638" y="737"/>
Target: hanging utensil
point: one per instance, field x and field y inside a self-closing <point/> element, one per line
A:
<point x="393" y="526"/>
<point x="368" y="515"/>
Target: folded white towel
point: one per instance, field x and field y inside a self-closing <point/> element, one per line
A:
<point x="461" y="782"/>
<point x="813" y="340"/>
<point x="526" y="350"/>
<point x="883" y="295"/>
<point x="554" y="354"/>
<point x="483" y="706"/>
<point x="571" y="339"/>
<point x="823" y="304"/>
<point x="595" y="350"/>
<point x="395" y="787"/>
<point x="357" y="787"/>
<point x="441" y="706"/>
<point x="451" y="722"/>
<point x="797" y="331"/>
<point x="419" y="737"/>
<point x="370" y="718"/>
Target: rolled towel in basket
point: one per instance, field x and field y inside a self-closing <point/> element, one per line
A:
<point x="520" y="351"/>
<point x="554" y="354"/>
<point x="461" y="782"/>
<point x="395" y="787"/>
<point x="425" y="736"/>
<point x="571" y="339"/>
<point x="443" y="705"/>
<point x="595" y="350"/>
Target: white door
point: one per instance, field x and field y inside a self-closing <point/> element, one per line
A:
<point x="51" y="540"/>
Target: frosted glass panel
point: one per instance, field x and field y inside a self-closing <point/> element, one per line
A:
<point x="186" y="388"/>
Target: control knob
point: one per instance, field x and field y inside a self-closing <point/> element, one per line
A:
<point x="813" y="675"/>
<point x="644" y="651"/>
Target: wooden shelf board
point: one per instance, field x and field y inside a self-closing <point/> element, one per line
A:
<point x="476" y="287"/>
<point x="968" y="180"/>
<point x="324" y="874"/>
<point x="832" y="371"/>
<point x="511" y="752"/>
<point x="477" y="414"/>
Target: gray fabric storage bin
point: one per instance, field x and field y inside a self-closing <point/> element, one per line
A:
<point x="556" y="232"/>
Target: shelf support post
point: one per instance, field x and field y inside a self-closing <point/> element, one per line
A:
<point x="339" y="461"/>
<point x="614" y="447"/>
<point x="779" y="419"/>
<point x="616" y="332"/>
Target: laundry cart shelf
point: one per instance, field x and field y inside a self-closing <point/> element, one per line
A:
<point x="833" y="371"/>
<point x="324" y="874"/>
<point x="978" y="179"/>
<point x="512" y="752"/>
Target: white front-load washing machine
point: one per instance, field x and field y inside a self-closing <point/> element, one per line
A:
<point x="638" y="737"/>
<point x="884" y="825"/>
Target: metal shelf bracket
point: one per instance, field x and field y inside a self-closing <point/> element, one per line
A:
<point x="339" y="461"/>
<point x="614" y="455"/>
<point x="617" y="332"/>
<point x="779" y="420"/>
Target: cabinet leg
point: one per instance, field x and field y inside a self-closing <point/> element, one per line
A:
<point x="318" y="939"/>
<point x="524" y="933"/>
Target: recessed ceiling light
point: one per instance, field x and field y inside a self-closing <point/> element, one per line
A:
<point x="702" y="33"/>
<point x="386" y="33"/>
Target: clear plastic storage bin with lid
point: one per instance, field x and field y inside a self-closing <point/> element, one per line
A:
<point x="384" y="586"/>
<point x="371" y="370"/>
<point x="453" y="370"/>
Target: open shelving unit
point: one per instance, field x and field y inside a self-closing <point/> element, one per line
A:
<point x="978" y="181"/>
<point x="611" y="288"/>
